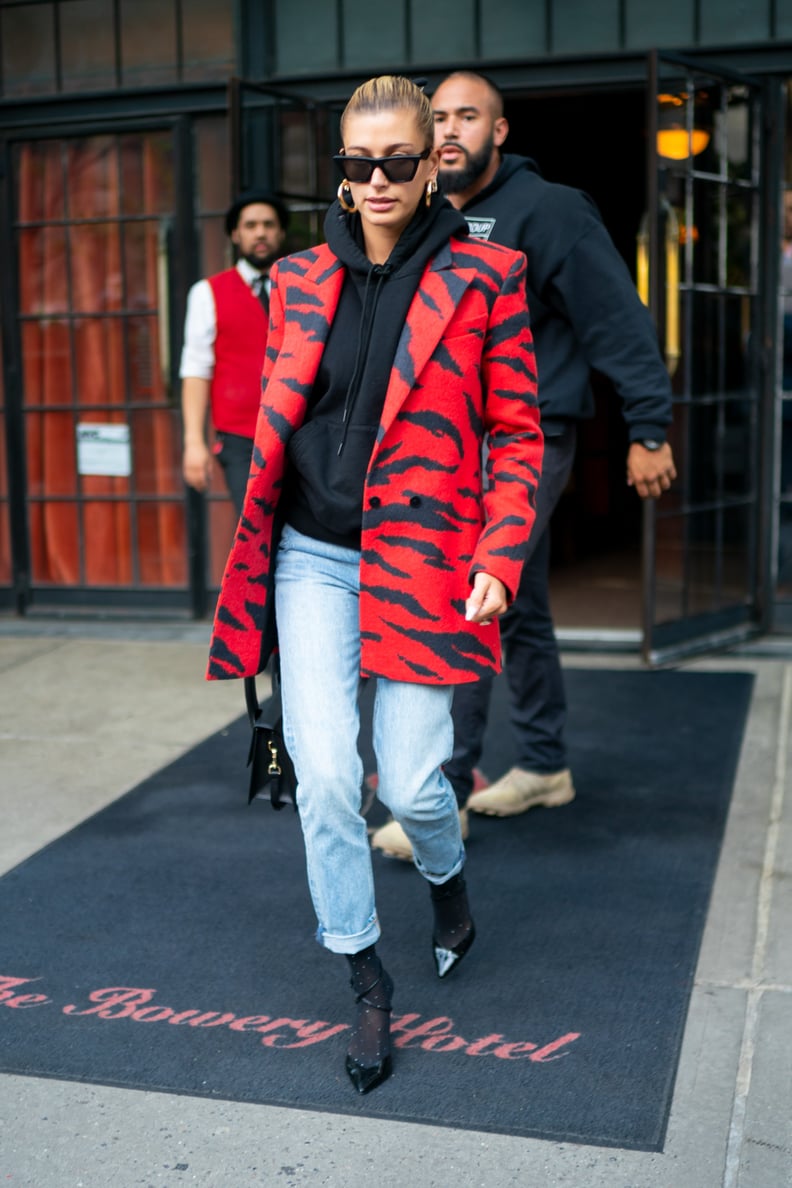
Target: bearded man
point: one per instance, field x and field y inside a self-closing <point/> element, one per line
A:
<point x="585" y="313"/>
<point x="225" y="338"/>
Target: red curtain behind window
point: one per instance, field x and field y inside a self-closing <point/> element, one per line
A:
<point x="89" y="300"/>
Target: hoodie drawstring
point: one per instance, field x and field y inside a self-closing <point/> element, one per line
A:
<point x="382" y="272"/>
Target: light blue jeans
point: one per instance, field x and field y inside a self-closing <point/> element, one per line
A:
<point x="316" y="602"/>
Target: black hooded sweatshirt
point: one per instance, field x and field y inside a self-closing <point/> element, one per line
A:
<point x="329" y="454"/>
<point x="585" y="312"/>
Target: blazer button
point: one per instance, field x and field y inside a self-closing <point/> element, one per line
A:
<point x="375" y="501"/>
<point x="415" y="501"/>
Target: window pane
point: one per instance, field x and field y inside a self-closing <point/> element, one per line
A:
<point x="99" y="361"/>
<point x="43" y="276"/>
<point x="145" y="377"/>
<point x="46" y="362"/>
<point x="147" y="171"/>
<point x="54" y="550"/>
<point x="93" y="181"/>
<point x="87" y="45"/>
<point x="444" y="31"/>
<point x="307" y="37"/>
<point x="703" y="562"/>
<point x="96" y="268"/>
<point x="141" y="246"/>
<point x="107" y="534"/>
<point x="156" y="449"/>
<point x="51" y="454"/>
<point x="367" y="52"/>
<point x="706" y="232"/>
<point x="28" y="41"/>
<point x="213" y="163"/>
<point x="207" y="40"/>
<point x="739" y="239"/>
<point x="148" y="42"/>
<point x="40" y="171"/>
<point x="160" y="542"/>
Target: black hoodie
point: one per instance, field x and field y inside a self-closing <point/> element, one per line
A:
<point x="330" y="453"/>
<point x="585" y="312"/>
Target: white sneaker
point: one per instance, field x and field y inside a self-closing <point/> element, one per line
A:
<point x="519" y="790"/>
<point x="394" y="842"/>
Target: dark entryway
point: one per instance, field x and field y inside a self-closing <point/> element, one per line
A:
<point x="597" y="143"/>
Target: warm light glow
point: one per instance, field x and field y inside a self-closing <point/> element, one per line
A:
<point x="676" y="144"/>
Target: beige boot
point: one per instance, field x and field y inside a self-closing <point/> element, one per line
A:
<point x="519" y="790"/>
<point x="393" y="841"/>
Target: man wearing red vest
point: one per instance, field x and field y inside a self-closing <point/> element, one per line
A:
<point x="225" y="337"/>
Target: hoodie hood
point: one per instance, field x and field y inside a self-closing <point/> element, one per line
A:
<point x="430" y="228"/>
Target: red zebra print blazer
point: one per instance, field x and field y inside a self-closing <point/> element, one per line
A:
<point x="464" y="371"/>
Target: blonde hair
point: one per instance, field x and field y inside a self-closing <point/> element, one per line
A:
<point x="392" y="92"/>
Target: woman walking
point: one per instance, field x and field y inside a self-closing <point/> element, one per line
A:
<point x="395" y="351"/>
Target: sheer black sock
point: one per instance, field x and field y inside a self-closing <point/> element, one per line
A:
<point x="453" y="922"/>
<point x="369" y="1044"/>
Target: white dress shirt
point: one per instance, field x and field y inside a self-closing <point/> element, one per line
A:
<point x="200" y="324"/>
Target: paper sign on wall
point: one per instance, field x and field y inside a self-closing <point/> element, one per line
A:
<point x="104" y="449"/>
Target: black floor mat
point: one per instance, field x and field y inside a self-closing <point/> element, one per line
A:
<point x="166" y="942"/>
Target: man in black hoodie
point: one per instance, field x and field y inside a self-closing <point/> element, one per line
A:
<point x="585" y="313"/>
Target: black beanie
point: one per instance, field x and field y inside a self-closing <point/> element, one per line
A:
<point x="247" y="198"/>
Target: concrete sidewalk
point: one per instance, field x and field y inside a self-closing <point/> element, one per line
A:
<point x="89" y="710"/>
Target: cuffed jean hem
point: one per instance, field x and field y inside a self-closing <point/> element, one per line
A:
<point x="350" y="944"/>
<point x="439" y="879"/>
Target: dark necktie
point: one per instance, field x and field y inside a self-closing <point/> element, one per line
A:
<point x="260" y="289"/>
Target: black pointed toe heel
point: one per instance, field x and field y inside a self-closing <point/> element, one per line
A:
<point x="452" y="920"/>
<point x="447" y="959"/>
<point x="366" y="1077"/>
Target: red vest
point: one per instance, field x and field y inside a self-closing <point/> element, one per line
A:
<point x="240" y="345"/>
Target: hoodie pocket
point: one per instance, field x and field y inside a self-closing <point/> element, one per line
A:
<point x="331" y="484"/>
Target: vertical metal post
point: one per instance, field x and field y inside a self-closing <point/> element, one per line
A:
<point x="649" y="526"/>
<point x="14" y="388"/>
<point x="770" y="333"/>
<point x="184" y="272"/>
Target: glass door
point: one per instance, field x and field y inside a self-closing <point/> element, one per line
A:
<point x="285" y="142"/>
<point x="96" y="413"/>
<point x="699" y="271"/>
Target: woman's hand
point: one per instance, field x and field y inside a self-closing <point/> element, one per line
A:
<point x="487" y="599"/>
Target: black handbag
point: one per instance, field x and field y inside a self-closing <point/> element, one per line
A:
<point x="272" y="775"/>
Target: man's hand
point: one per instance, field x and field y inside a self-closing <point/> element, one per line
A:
<point x="196" y="465"/>
<point x="487" y="599"/>
<point x="650" y="471"/>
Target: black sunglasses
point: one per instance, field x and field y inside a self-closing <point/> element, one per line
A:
<point x="396" y="169"/>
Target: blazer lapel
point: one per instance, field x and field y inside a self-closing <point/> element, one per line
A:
<point x="431" y="309"/>
<point x="310" y="302"/>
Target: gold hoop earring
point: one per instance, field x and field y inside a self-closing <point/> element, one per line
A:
<point x="431" y="188"/>
<point x="341" y="194"/>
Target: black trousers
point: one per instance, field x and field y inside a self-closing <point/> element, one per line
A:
<point x="234" y="456"/>
<point x="537" y="700"/>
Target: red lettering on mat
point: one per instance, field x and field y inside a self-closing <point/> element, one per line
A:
<point x="439" y="1034"/>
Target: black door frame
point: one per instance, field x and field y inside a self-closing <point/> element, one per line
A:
<point x="738" y="623"/>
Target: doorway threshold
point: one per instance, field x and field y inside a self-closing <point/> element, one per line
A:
<point x="598" y="639"/>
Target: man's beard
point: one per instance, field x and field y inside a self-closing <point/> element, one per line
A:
<point x="457" y="181"/>
<point x="262" y="262"/>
